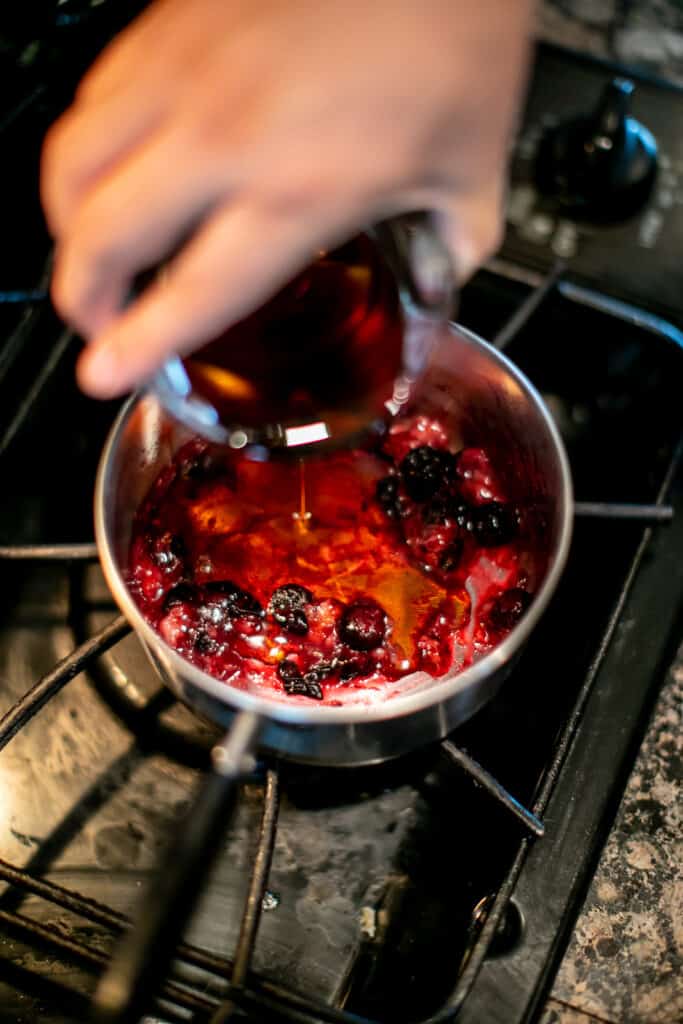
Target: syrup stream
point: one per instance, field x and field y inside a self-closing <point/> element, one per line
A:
<point x="303" y="516"/>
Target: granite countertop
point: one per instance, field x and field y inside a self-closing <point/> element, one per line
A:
<point x="624" y="964"/>
<point x="647" y="34"/>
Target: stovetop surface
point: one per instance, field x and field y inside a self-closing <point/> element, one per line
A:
<point x="376" y="872"/>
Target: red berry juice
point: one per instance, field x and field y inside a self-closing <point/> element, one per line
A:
<point x="402" y="559"/>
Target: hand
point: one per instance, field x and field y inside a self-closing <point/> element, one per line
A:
<point x="239" y="137"/>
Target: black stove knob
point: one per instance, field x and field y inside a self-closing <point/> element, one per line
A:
<point x="602" y="166"/>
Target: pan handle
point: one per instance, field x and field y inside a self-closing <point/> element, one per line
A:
<point x="143" y="955"/>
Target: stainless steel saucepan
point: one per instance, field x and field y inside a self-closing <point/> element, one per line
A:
<point x="484" y="401"/>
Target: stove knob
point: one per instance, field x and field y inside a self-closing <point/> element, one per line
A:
<point x="602" y="166"/>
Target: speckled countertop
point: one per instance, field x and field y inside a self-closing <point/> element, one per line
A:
<point x="624" y="964"/>
<point x="644" y="33"/>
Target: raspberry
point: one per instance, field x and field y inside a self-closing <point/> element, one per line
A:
<point x="476" y="480"/>
<point x="178" y="627"/>
<point x="412" y="433"/>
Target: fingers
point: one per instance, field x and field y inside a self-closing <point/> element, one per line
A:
<point x="472" y="227"/>
<point x="122" y="101"/>
<point x="134" y="217"/>
<point x="237" y="260"/>
<point x="84" y="145"/>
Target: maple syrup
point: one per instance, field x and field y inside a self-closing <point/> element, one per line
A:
<point x="318" y="362"/>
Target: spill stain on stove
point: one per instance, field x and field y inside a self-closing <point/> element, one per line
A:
<point x="118" y="846"/>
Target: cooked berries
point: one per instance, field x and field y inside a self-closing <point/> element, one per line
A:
<point x="206" y="467"/>
<point x="363" y="626"/>
<point x="386" y="492"/>
<point x="205" y="644"/>
<point x="287" y="604"/>
<point x="464" y="516"/>
<point x="182" y="593"/>
<point x="439" y="510"/>
<point x="352" y="668"/>
<point x="318" y="672"/>
<point x="451" y="557"/>
<point x="235" y="601"/>
<point x="508" y="608"/>
<point x="288" y="596"/>
<point x="297" y="685"/>
<point x="168" y="551"/>
<point x="407" y="557"/>
<point x="294" y="621"/>
<point x="425" y="469"/>
<point x="494" y="524"/>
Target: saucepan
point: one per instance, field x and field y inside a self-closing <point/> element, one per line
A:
<point x="485" y="401"/>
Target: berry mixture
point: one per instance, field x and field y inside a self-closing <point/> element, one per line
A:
<point x="405" y="559"/>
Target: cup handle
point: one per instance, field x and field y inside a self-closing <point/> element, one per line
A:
<point x="421" y="262"/>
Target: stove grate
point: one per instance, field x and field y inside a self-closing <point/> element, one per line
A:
<point x="290" y="1005"/>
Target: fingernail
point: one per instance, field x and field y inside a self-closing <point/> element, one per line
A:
<point x="99" y="371"/>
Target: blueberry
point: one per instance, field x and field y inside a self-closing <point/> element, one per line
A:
<point x="182" y="593"/>
<point x="351" y="668"/>
<point x="425" y="470"/>
<point x="508" y="608"/>
<point x="286" y="606"/>
<point x="318" y="672"/>
<point x="168" y="551"/>
<point x="204" y="644"/>
<point x="297" y="685"/>
<point x="288" y="671"/>
<point x="288" y="596"/>
<point x="206" y="467"/>
<point x="294" y="621"/>
<point x="363" y="626"/>
<point x="494" y="524"/>
<point x="232" y="598"/>
<point x="450" y="557"/>
<point x="225" y="588"/>
<point x="247" y="604"/>
<point x="386" y="492"/>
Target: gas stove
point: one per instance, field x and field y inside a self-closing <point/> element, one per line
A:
<point x="439" y="887"/>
